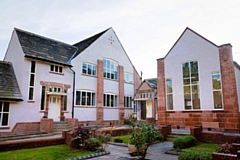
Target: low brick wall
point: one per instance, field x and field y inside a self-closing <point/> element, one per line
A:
<point x="26" y="128"/>
<point x="165" y="130"/>
<point x="222" y="156"/>
<point x="114" y="131"/>
<point x="7" y="146"/>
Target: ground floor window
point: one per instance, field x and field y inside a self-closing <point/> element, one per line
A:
<point x="64" y="103"/>
<point x="85" y="98"/>
<point x="4" y="113"/>
<point x="217" y="90"/>
<point x="127" y="102"/>
<point x="110" y="100"/>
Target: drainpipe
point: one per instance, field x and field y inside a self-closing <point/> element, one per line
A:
<point x="73" y="96"/>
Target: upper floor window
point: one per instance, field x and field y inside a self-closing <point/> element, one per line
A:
<point x="146" y="95"/>
<point x="4" y="113"/>
<point x="110" y="100"/>
<point x="169" y="94"/>
<point x="217" y="90"/>
<point x="191" y="85"/>
<point x="55" y="68"/>
<point x="127" y="101"/>
<point x="89" y="69"/>
<point x="32" y="80"/>
<point x="128" y="77"/>
<point x="85" y="98"/>
<point x="110" y="69"/>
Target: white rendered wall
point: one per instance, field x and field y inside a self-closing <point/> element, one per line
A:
<point x="110" y="114"/>
<point x="237" y="76"/>
<point x="85" y="114"/>
<point x="191" y="47"/>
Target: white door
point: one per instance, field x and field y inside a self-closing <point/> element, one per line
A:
<point x="149" y="109"/>
<point x="54" y="107"/>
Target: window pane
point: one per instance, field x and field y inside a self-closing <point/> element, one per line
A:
<point x="65" y="103"/>
<point x="111" y="100"/>
<point x="56" y="68"/>
<point x="217" y="96"/>
<point x="84" y="68"/>
<point x="83" y="98"/>
<point x="93" y="99"/>
<point x="169" y="102"/>
<point x="94" y="70"/>
<point x="194" y="80"/>
<point x="89" y="98"/>
<point x="169" y="85"/>
<point x="52" y="68"/>
<point x="78" y="98"/>
<point x="195" y="97"/>
<point x="6" y="107"/>
<point x="32" y="80"/>
<point x="1" y="107"/>
<point x="216" y="82"/>
<point x="194" y="69"/>
<point x="187" y="97"/>
<point x="108" y="100"/>
<point x="5" y="119"/>
<point x="89" y="69"/>
<point x="30" y="94"/>
<point x="33" y="67"/>
<point x="104" y="100"/>
<point x="43" y="98"/>
<point x="116" y="101"/>
<point x="185" y="70"/>
<point x="60" y="69"/>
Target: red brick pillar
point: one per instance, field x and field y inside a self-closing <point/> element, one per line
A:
<point x="46" y="125"/>
<point x="100" y="81"/>
<point x="161" y="92"/>
<point x="121" y="94"/>
<point x="229" y="89"/>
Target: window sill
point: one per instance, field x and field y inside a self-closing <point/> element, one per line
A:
<point x="65" y="111"/>
<point x="114" y="80"/>
<point x="2" y="128"/>
<point x="84" y="106"/>
<point x="128" y="108"/>
<point x="94" y="76"/>
<point x="31" y="101"/>
<point x="56" y="73"/>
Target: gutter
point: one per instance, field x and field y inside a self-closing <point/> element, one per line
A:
<point x="73" y="96"/>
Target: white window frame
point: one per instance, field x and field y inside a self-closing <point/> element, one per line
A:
<point x="128" y="102"/>
<point x="169" y="93"/>
<point x="4" y="112"/>
<point x="90" y="66"/>
<point x="31" y="86"/>
<point x="128" y="77"/>
<point x="80" y="97"/>
<point x="110" y="69"/>
<point x="56" y="68"/>
<point x="217" y="90"/>
<point x="107" y="102"/>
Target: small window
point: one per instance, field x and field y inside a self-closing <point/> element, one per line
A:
<point x="217" y="90"/>
<point x="128" y="77"/>
<point x="56" y="68"/>
<point x="4" y="113"/>
<point x="110" y="100"/>
<point x="89" y="69"/>
<point x="127" y="102"/>
<point x="169" y="94"/>
<point x="85" y="98"/>
<point x="110" y="69"/>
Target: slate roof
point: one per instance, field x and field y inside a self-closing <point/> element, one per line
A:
<point x="82" y="45"/>
<point x="152" y="82"/>
<point x="9" y="89"/>
<point x="42" y="48"/>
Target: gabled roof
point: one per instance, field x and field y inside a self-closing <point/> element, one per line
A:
<point x="183" y="34"/>
<point x="82" y="45"/>
<point x="151" y="82"/>
<point x="9" y="89"/>
<point x="42" y="48"/>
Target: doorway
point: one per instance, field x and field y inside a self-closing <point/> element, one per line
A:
<point x="54" y="107"/>
<point x="143" y="110"/>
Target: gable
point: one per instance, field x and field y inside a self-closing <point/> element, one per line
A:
<point x="144" y="86"/>
<point x="9" y="89"/>
<point x="41" y="48"/>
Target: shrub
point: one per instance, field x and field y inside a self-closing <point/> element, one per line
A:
<point x="79" y="136"/>
<point x="195" y="156"/>
<point x="184" y="142"/>
<point x="91" y="144"/>
<point x="224" y="148"/>
<point x="159" y="137"/>
<point x="118" y="140"/>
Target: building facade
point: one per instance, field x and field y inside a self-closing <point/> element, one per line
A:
<point x="198" y="85"/>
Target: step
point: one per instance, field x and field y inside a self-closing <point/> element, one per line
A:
<point x="18" y="137"/>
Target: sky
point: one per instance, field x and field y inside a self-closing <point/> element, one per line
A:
<point x="147" y="29"/>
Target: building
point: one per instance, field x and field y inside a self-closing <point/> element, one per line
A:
<point x="145" y="101"/>
<point x="88" y="81"/>
<point x="198" y="85"/>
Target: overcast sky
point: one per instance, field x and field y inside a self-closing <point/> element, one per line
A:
<point x="147" y="29"/>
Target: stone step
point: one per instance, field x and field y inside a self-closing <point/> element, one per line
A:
<point x="18" y="137"/>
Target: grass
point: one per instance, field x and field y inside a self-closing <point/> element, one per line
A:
<point x="58" y="152"/>
<point x="202" y="147"/>
<point x="126" y="138"/>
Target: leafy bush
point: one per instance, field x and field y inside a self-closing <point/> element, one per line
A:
<point x="91" y="144"/>
<point x="195" y="156"/>
<point x="79" y="136"/>
<point x="118" y="140"/>
<point x="224" y="148"/>
<point x="184" y="142"/>
<point x="159" y="137"/>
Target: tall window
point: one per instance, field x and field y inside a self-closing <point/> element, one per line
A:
<point x="217" y="90"/>
<point x="169" y="92"/>
<point x="56" y="68"/>
<point x="64" y="103"/>
<point x="4" y="113"/>
<point x="32" y="79"/>
<point x="135" y="107"/>
<point x="89" y="69"/>
<point x="191" y="85"/>
<point x="128" y="77"/>
<point x="127" y="101"/>
<point x="110" y="69"/>
<point x="110" y="100"/>
<point x="85" y="98"/>
<point x="43" y="98"/>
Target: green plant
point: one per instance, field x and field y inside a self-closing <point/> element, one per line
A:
<point x="184" y="142"/>
<point x="79" y="136"/>
<point x="224" y="148"/>
<point x="195" y="156"/>
<point x="118" y="140"/>
<point x="125" y="138"/>
<point x="130" y="120"/>
<point x="91" y="144"/>
<point x="104" y="138"/>
<point x="142" y="136"/>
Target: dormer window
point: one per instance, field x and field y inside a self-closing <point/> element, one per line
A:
<point x="56" y="68"/>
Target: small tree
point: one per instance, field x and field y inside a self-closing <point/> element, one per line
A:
<point x="79" y="136"/>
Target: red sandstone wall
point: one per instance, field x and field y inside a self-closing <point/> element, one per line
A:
<point x="99" y="92"/>
<point x="121" y="94"/>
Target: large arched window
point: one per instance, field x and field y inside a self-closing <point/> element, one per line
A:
<point x="191" y="85"/>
